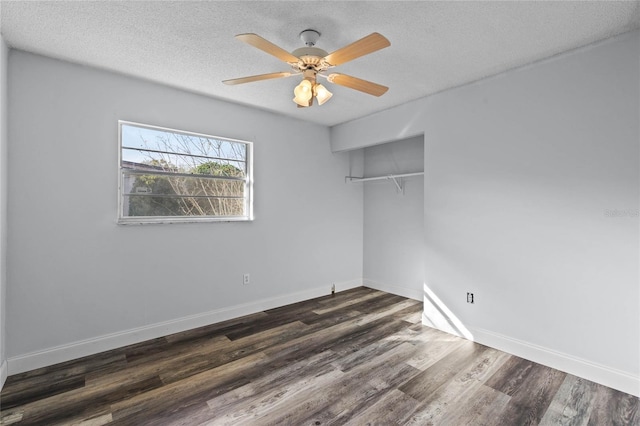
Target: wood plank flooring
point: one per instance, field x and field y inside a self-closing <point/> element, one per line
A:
<point x="360" y="357"/>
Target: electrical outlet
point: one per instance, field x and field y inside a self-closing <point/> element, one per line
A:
<point x="469" y="297"/>
<point x="246" y="279"/>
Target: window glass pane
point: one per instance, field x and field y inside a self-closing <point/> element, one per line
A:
<point x="152" y="206"/>
<point x="173" y="174"/>
<point x="178" y="163"/>
<point x="159" y="140"/>
<point x="162" y="185"/>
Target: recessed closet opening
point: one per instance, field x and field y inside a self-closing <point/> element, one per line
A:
<point x="393" y="240"/>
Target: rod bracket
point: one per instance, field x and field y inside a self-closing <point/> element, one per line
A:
<point x="399" y="183"/>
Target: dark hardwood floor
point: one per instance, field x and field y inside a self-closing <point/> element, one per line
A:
<point x="360" y="357"/>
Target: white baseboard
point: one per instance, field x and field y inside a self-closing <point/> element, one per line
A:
<point x="410" y="293"/>
<point x="607" y="376"/>
<point x="55" y="355"/>
<point x="3" y="374"/>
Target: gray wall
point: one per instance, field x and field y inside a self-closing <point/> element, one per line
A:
<point x="531" y="202"/>
<point x="4" y="53"/>
<point x="78" y="283"/>
<point x="393" y="250"/>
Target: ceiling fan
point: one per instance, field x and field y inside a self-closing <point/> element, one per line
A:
<point x="312" y="62"/>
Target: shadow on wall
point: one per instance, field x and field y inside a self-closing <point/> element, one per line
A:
<point x="437" y="315"/>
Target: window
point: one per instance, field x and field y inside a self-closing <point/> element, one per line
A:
<point x="175" y="176"/>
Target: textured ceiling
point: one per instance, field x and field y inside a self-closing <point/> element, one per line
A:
<point x="434" y="45"/>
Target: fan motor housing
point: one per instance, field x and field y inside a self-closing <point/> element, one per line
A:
<point x="309" y="51"/>
<point x="311" y="57"/>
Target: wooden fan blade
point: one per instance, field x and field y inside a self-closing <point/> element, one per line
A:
<point x="249" y="79"/>
<point x="265" y="45"/>
<point x="364" y="46"/>
<point x="358" y="84"/>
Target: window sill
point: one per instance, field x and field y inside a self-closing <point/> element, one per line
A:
<point x="169" y="220"/>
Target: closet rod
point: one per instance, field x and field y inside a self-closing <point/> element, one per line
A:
<point x="361" y="179"/>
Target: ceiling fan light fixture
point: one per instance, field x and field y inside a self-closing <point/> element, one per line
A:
<point x="301" y="102"/>
<point x="322" y="94"/>
<point x="303" y="93"/>
<point x="304" y="88"/>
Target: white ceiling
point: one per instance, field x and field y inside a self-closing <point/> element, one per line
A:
<point x="435" y="45"/>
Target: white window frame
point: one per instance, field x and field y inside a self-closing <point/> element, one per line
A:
<point x="134" y="220"/>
